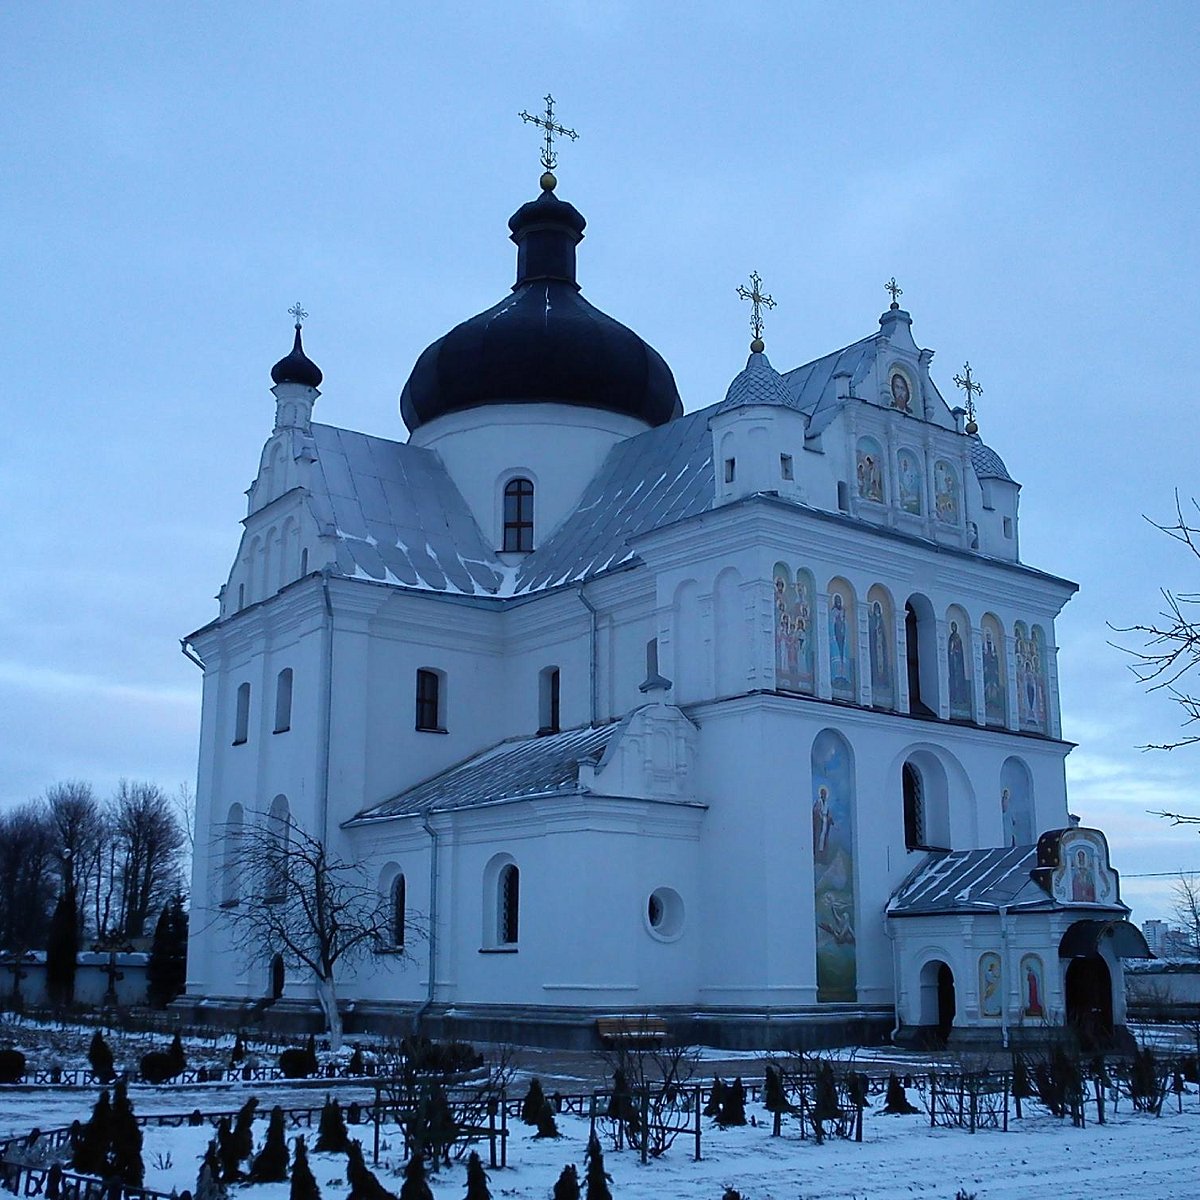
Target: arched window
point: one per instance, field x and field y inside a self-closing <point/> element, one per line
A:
<point x="231" y="856"/>
<point x="276" y="865"/>
<point x="283" y="701"/>
<point x="398" y="915"/>
<point x="430" y="701"/>
<point x="518" y="515"/>
<point x="548" y="693"/>
<point x="914" y="809"/>
<point x="241" y="726"/>
<point x="508" y="907"/>
<point x="920" y="652"/>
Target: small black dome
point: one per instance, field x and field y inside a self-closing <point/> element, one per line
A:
<point x="543" y="344"/>
<point x="297" y="367"/>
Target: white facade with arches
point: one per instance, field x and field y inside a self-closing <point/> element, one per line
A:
<point x="678" y="742"/>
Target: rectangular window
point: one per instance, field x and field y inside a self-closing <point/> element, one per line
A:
<point x="843" y="496"/>
<point x="1008" y="527"/>
<point x="429" y="701"/>
<point x="730" y="469"/>
<point x="283" y="701"/>
<point x="785" y="466"/>
<point x="241" y="726"/>
<point x="548" y="692"/>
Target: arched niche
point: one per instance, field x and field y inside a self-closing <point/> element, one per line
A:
<point x="995" y="671"/>
<point x="843" y="640"/>
<point x="729" y="634"/>
<point x="1016" y="803"/>
<point x="833" y="809"/>
<point x="795" y="629"/>
<point x="881" y="635"/>
<point x="869" y="470"/>
<point x="960" y="686"/>
<point x="910" y="480"/>
<point x="688" y="642"/>
<point x="921" y="658"/>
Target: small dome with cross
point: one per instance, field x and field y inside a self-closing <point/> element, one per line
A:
<point x="297" y="367"/>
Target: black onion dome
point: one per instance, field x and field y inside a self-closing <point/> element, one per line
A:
<point x="543" y="344"/>
<point x="297" y="367"/>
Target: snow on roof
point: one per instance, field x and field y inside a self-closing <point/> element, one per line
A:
<point x="971" y="881"/>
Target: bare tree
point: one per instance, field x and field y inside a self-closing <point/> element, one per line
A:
<point x="147" y="841"/>
<point x="319" y="912"/>
<point x="1172" y="646"/>
<point x="78" y="826"/>
<point x="1185" y="907"/>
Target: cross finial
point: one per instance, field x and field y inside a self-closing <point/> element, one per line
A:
<point x="895" y="289"/>
<point x="550" y="128"/>
<point x="972" y="389"/>
<point x="758" y="301"/>
<point x="297" y="310"/>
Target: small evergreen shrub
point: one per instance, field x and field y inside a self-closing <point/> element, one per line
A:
<point x="243" y="1129"/>
<point x="125" y="1156"/>
<point x="362" y="1181"/>
<point x="176" y="1055"/>
<point x="296" y="1063"/>
<point x="567" y="1186"/>
<point x="897" y="1101"/>
<point x="733" y="1105"/>
<point x="716" y="1096"/>
<point x="12" y="1066"/>
<point x="597" y="1178"/>
<point x="357" y="1064"/>
<point x="158" y="1067"/>
<point x="238" y="1054"/>
<point x="227" y="1153"/>
<point x="304" y="1186"/>
<point x="209" y="1185"/>
<point x="477" y="1180"/>
<point x="331" y="1132"/>
<point x="547" y="1127"/>
<point x="89" y="1154"/>
<point x="100" y="1057"/>
<point x="270" y="1165"/>
<point x="531" y="1106"/>
<point x="415" y="1187"/>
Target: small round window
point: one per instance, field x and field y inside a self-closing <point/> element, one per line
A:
<point x="664" y="914"/>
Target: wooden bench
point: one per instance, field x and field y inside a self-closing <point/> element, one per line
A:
<point x="631" y="1029"/>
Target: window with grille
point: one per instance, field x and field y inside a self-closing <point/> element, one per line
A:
<point x="914" y="809"/>
<point x="508" y="925"/>
<point x="429" y="687"/>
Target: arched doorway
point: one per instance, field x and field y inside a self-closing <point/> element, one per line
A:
<point x="1089" y="1000"/>
<point x="277" y="976"/>
<point x="938" y="1003"/>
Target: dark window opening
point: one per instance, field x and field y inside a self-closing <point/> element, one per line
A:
<point x="518" y="515"/>
<point x="914" y="809"/>
<point x="912" y="654"/>
<point x="428" y="701"/>
<point x="730" y="469"/>
<point x="548" y="701"/>
<point x="283" y="701"/>
<point x="785" y="466"/>
<point x="843" y="493"/>
<point x="398" y="899"/>
<point x="510" y="902"/>
<point x="241" y="728"/>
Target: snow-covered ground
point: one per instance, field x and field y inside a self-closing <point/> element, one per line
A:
<point x="1133" y="1156"/>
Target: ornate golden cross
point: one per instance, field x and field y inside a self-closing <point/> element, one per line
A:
<point x="549" y="157"/>
<point x="896" y="290"/>
<point x="759" y="301"/>
<point x="297" y="311"/>
<point x="972" y="389"/>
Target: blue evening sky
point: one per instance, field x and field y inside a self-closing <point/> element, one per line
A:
<point x="176" y="175"/>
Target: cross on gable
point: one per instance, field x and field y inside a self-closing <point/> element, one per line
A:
<point x="758" y="300"/>
<point x="550" y="128"/>
<point x="972" y="389"/>
<point x="895" y="289"/>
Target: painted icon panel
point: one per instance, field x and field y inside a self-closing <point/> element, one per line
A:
<point x="989" y="984"/>
<point x="881" y="634"/>
<point x="843" y="635"/>
<point x="1031" y="682"/>
<point x="1033" y="987"/>
<point x="947" y="508"/>
<point x="870" y="470"/>
<point x="795" y="630"/>
<point x="995" y="672"/>
<point x="1016" y="803"/>
<point x="901" y="390"/>
<point x="833" y="868"/>
<point x="911" y="480"/>
<point x="959" y="655"/>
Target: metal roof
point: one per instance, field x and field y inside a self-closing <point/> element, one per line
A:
<point x="757" y="383"/>
<point x="987" y="463"/>
<point x="515" y="769"/>
<point x="971" y="881"/>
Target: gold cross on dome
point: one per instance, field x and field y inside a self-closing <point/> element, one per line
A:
<point x="297" y="311"/>
<point x="759" y="301"/>
<point x="971" y="388"/>
<point x="551" y="127"/>
<point x="895" y="289"/>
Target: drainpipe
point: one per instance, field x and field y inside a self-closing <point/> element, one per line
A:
<point x="433" y="908"/>
<point x="887" y="928"/>
<point x="1004" y="975"/>
<point x="593" y="678"/>
<point x="327" y="706"/>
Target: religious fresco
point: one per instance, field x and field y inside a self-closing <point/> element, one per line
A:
<point x="989" y="985"/>
<point x="881" y="629"/>
<point x="870" y="470"/>
<point x="843" y="636"/>
<point x="911" y="481"/>
<point x="1083" y="875"/>
<point x="959" y="659"/>
<point x="995" y="673"/>
<point x="901" y="390"/>
<point x="1031" y="680"/>
<point x="946" y="493"/>
<point x="1016" y="803"/>
<point x="833" y="868"/>
<point x="795" y="630"/>
<point x="1033" y="987"/>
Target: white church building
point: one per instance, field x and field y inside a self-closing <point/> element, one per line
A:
<point x="746" y="718"/>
